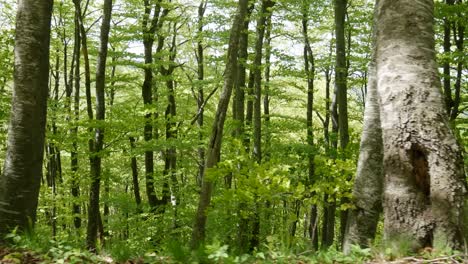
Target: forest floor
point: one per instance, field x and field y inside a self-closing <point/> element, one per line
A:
<point x="22" y="256"/>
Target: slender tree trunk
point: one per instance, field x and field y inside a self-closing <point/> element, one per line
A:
<point x="136" y="185"/>
<point x="149" y="29"/>
<point x="22" y="173"/>
<point x="459" y="38"/>
<point x="265" y="13"/>
<point x="446" y="64"/>
<point x="309" y="68"/>
<point x="266" y="97"/>
<point x="239" y="117"/>
<point x="75" y="186"/>
<point x="341" y="72"/>
<point x="424" y="179"/>
<point x="200" y="97"/>
<point x="93" y="210"/>
<point x="328" y="227"/>
<point x="214" y="146"/>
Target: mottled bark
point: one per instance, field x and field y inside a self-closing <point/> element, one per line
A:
<point x="22" y="173"/>
<point x="424" y="190"/>
<point x="368" y="185"/>
<point x="214" y="146"/>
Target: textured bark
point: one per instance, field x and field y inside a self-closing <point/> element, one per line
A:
<point x="214" y="145"/>
<point x="368" y="185"/>
<point x="424" y="190"/>
<point x="95" y="159"/>
<point x="22" y="173"/>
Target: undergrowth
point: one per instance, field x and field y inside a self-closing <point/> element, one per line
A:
<point x="34" y="248"/>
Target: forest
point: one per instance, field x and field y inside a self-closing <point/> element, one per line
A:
<point x="219" y="131"/>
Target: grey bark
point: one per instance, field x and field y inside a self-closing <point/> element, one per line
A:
<point x="368" y="185"/>
<point x="22" y="173"/>
<point x="424" y="190"/>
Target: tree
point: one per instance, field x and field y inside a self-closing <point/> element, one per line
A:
<point x="22" y="173"/>
<point x="424" y="189"/>
<point x="95" y="159"/>
<point x="214" y="146"/>
<point x="368" y="184"/>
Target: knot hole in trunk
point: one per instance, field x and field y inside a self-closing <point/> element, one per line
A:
<point x="421" y="171"/>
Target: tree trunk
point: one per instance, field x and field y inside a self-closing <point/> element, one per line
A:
<point x="22" y="173"/>
<point x="214" y="146"/>
<point x="368" y="185"/>
<point x="459" y="38"/>
<point x="309" y="68"/>
<point x="136" y="185"/>
<point x="200" y="97"/>
<point x="75" y="187"/>
<point x="147" y="93"/>
<point x="265" y="13"/>
<point x="424" y="179"/>
<point x="341" y="72"/>
<point x="93" y="210"/>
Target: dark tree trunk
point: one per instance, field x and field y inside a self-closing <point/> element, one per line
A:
<point x="75" y="186"/>
<point x="239" y="117"/>
<point x="309" y="68"/>
<point x="459" y="38"/>
<point x="200" y="97"/>
<point x="341" y="72"/>
<point x="136" y="185"/>
<point x="264" y="15"/>
<point x="214" y="146"/>
<point x="22" y="173"/>
<point x="93" y="210"/>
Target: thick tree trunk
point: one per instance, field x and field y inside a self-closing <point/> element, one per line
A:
<point x="424" y="189"/>
<point x="93" y="210"/>
<point x="214" y="146"/>
<point x="22" y="173"/>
